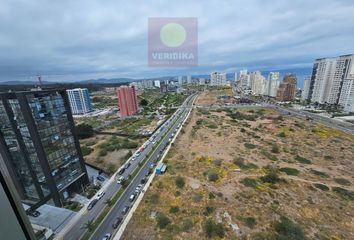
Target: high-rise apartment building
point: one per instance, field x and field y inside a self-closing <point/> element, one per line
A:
<point x="180" y="80"/>
<point x="306" y="88"/>
<point x="79" y="99"/>
<point x="346" y="98"/>
<point x="328" y="75"/>
<point x="201" y="81"/>
<point x="39" y="146"/>
<point x="257" y="83"/>
<point x="244" y="80"/>
<point x="272" y="84"/>
<point x="218" y="79"/>
<point x="286" y="90"/>
<point x="189" y="79"/>
<point x="157" y="83"/>
<point x="127" y="100"/>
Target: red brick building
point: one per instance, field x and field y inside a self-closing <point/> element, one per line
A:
<point x="127" y="101"/>
<point x="286" y="90"/>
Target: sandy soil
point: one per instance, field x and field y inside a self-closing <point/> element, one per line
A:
<point x="322" y="214"/>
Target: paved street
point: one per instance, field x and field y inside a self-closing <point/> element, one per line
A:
<point x="76" y="229"/>
<point x="174" y="122"/>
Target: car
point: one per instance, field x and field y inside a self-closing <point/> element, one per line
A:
<point x="153" y="142"/>
<point x="100" y="178"/>
<point x="121" y="171"/>
<point x="152" y="166"/>
<point x="107" y="236"/>
<point x="125" y="210"/>
<point x="34" y="213"/>
<point x="143" y="180"/>
<point x="92" y="204"/>
<point x="133" y="159"/>
<point x="100" y="195"/>
<point x="126" y="166"/>
<point x="116" y="222"/>
<point x="120" y="180"/>
<point x="132" y="197"/>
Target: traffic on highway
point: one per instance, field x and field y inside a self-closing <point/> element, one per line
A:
<point x="147" y="156"/>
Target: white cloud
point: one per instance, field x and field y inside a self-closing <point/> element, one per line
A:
<point x="110" y="37"/>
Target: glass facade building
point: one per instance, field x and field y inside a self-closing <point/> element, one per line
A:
<point x="39" y="146"/>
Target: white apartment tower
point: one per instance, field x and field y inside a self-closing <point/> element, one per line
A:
<point x="218" y="79"/>
<point x="180" y="80"/>
<point x="272" y="84"/>
<point x="328" y="76"/>
<point x="346" y="98"/>
<point x="306" y="89"/>
<point x="189" y="79"/>
<point x="257" y="83"/>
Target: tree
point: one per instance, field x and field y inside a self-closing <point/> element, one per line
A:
<point x="108" y="202"/>
<point x="144" y="102"/>
<point x="180" y="182"/>
<point x="84" y="131"/>
<point x="89" y="225"/>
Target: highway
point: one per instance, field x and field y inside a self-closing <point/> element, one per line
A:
<point x="173" y="123"/>
<point x="76" y="228"/>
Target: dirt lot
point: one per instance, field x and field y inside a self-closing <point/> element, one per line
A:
<point x="251" y="174"/>
<point x="208" y="98"/>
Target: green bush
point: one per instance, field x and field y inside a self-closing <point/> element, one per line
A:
<point x="344" y="193"/>
<point x="213" y="229"/>
<point x="86" y="150"/>
<point x="212" y="126"/>
<point x="327" y="157"/>
<point x="342" y="181"/>
<point x="213" y="176"/>
<point x="174" y="209"/>
<point x="180" y="182"/>
<point x="302" y="160"/>
<point x="162" y="220"/>
<point x="249" y="146"/>
<point x="102" y="152"/>
<point x="250" y="222"/>
<point x="321" y="186"/>
<point x="249" y="182"/>
<point x="288" y="230"/>
<point x="282" y="135"/>
<point x="187" y="225"/>
<point x="271" y="177"/>
<point x="319" y="173"/>
<point x="275" y="149"/>
<point x="208" y="210"/>
<point x="290" y="171"/>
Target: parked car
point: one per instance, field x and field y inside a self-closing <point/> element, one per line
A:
<point x="121" y="171"/>
<point x="120" y="180"/>
<point x="100" y="195"/>
<point x="132" y="197"/>
<point x="92" y="204"/>
<point x="100" y="178"/>
<point x="126" y="166"/>
<point x="143" y="180"/>
<point x="116" y="222"/>
<point x="34" y="213"/>
<point x="107" y="236"/>
<point x="125" y="210"/>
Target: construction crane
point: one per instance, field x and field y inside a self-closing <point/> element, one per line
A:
<point x="40" y="80"/>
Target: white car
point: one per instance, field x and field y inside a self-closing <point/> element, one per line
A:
<point x="153" y="142"/>
<point x="132" y="197"/>
<point x="100" y="195"/>
<point x="120" y="180"/>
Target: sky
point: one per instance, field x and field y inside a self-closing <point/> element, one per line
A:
<point x="77" y="40"/>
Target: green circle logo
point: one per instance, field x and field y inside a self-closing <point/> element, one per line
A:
<point x="173" y="35"/>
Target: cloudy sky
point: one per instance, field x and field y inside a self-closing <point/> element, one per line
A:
<point x="76" y="40"/>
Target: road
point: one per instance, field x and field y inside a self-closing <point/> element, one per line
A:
<point x="173" y="123"/>
<point x="76" y="229"/>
